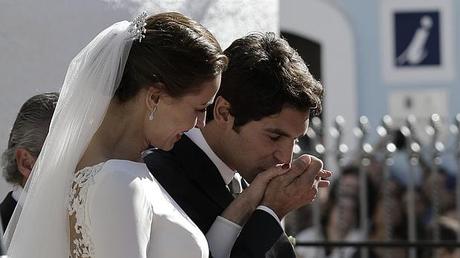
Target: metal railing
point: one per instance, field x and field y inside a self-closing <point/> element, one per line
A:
<point x="423" y="152"/>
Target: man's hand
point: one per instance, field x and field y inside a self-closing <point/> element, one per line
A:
<point x="297" y="187"/>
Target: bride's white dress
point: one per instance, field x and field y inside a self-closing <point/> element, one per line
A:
<point x="120" y="210"/>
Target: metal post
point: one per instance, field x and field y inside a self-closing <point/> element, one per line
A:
<point x="340" y="150"/>
<point x="390" y="148"/>
<point x="365" y="154"/>
<point x="413" y="148"/>
<point x="314" y="133"/>
<point x="455" y="129"/>
<point x="436" y="148"/>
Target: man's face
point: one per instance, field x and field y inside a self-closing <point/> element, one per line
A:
<point x="259" y="145"/>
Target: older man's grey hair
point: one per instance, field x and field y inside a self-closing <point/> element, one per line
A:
<point x="29" y="132"/>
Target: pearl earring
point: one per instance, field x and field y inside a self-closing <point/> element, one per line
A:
<point x="152" y="112"/>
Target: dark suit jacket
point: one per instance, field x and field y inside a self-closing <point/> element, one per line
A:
<point x="6" y="209"/>
<point x="196" y="185"/>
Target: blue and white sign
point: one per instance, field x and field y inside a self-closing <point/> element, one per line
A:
<point x="417" y="41"/>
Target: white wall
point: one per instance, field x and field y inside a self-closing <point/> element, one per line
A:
<point x="37" y="41"/>
<point x="324" y="23"/>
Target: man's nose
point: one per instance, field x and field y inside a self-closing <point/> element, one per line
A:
<point x="283" y="154"/>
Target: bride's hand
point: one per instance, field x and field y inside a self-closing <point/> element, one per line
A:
<point x="244" y="205"/>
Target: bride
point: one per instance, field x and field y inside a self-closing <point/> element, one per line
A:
<point x="136" y="84"/>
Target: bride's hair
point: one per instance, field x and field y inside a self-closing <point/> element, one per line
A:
<point x="176" y="51"/>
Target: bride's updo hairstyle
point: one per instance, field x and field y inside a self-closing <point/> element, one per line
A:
<point x="177" y="51"/>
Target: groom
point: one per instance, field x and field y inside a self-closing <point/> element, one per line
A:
<point x="263" y="106"/>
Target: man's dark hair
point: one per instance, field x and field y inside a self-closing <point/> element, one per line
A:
<point x="263" y="76"/>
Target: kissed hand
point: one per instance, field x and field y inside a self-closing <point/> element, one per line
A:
<point x="297" y="187"/>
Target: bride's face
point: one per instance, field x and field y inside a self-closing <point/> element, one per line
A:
<point x="174" y="116"/>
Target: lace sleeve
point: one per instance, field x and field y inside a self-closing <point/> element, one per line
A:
<point x="120" y="215"/>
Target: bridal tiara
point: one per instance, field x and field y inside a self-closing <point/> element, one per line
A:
<point x="137" y="27"/>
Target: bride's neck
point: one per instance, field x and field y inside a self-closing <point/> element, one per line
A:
<point x="120" y="136"/>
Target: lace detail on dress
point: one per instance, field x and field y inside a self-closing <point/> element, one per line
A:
<point x="80" y="240"/>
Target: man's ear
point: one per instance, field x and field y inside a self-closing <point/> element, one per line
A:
<point x="221" y="112"/>
<point x="25" y="162"/>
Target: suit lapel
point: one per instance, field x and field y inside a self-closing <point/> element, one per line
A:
<point x="200" y="169"/>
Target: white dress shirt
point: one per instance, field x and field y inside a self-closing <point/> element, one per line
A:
<point x="223" y="233"/>
<point x="17" y="191"/>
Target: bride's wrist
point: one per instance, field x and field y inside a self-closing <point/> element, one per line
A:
<point x="239" y="210"/>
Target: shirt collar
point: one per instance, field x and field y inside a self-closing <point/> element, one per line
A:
<point x="197" y="137"/>
<point x="17" y="191"/>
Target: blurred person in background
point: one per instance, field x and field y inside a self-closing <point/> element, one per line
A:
<point x="338" y="223"/>
<point x="448" y="232"/>
<point x="339" y="219"/>
<point x="388" y="221"/>
<point x="24" y="145"/>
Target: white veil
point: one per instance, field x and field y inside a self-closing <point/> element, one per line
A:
<point x="41" y="229"/>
